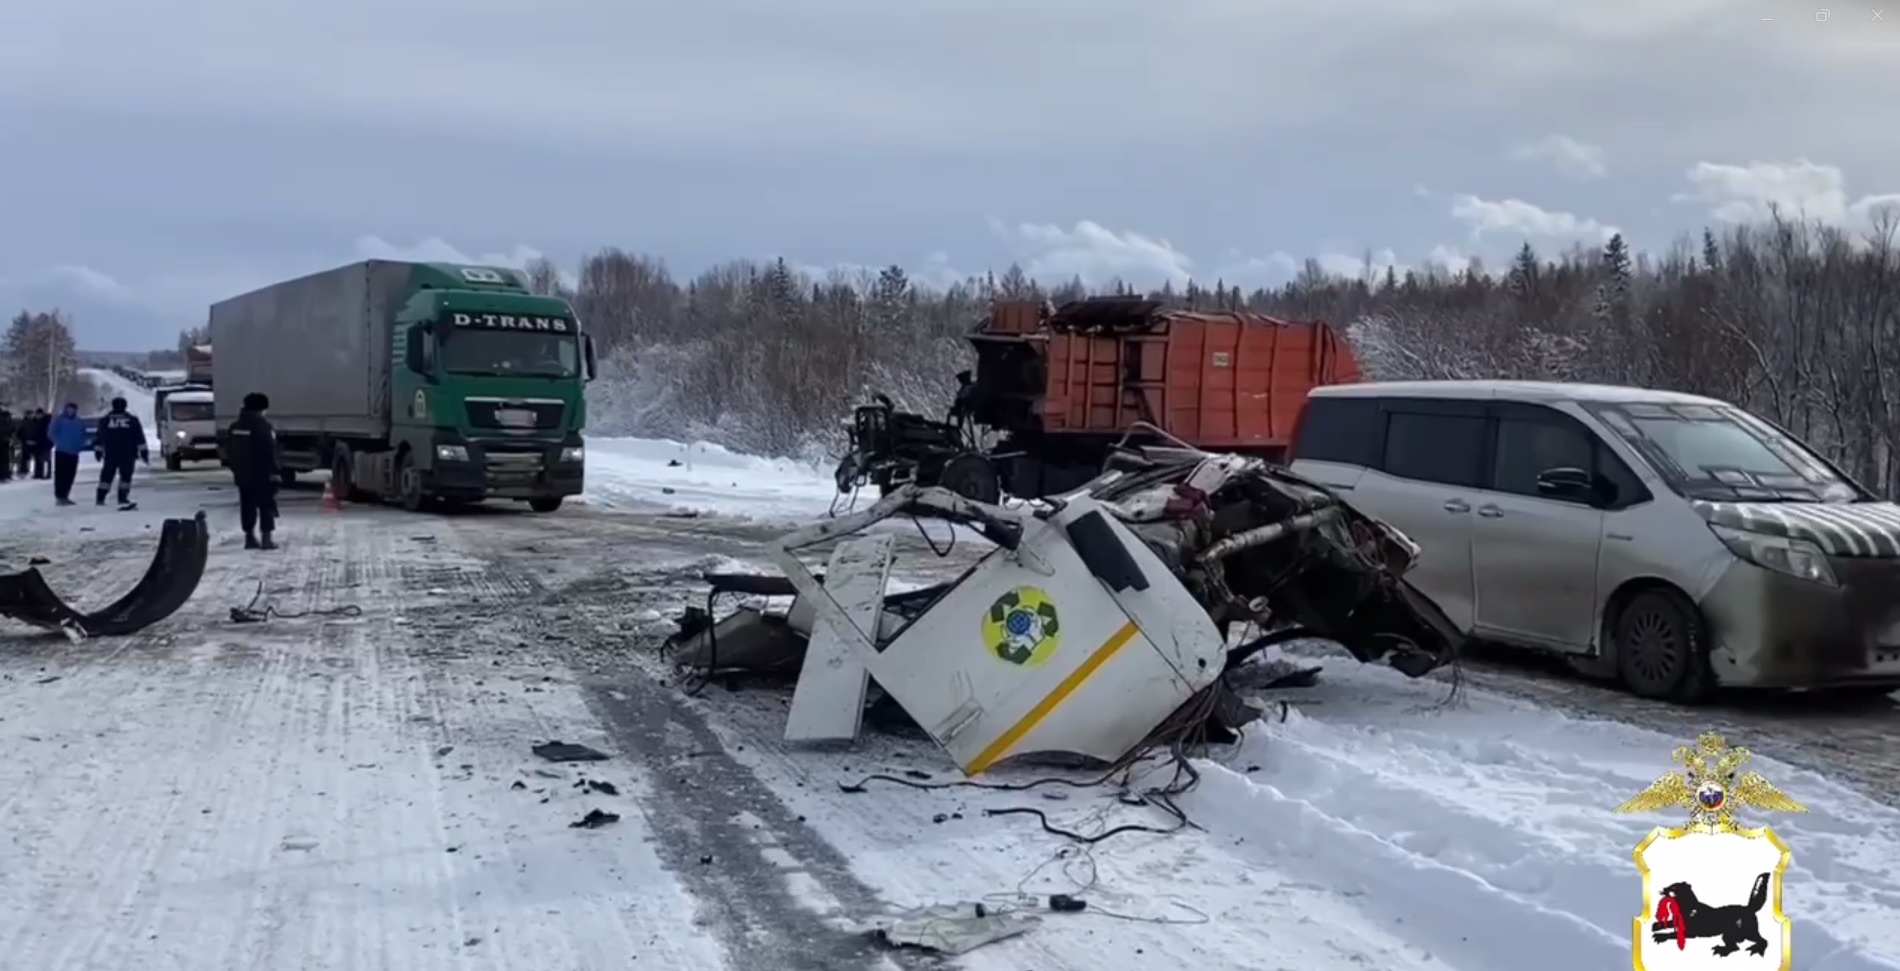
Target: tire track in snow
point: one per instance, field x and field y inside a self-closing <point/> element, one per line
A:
<point x="725" y="834"/>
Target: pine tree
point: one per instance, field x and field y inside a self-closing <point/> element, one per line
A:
<point x="1613" y="284"/>
<point x="1526" y="274"/>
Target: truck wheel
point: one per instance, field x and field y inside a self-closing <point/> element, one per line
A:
<point x="409" y="483"/>
<point x="973" y="477"/>
<point x="287" y="476"/>
<point x="545" y="505"/>
<point x="174" y="462"/>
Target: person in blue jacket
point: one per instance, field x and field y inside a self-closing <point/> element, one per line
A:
<point x="119" y="441"/>
<point x="68" y="434"/>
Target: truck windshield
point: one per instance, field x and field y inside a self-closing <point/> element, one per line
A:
<point x="514" y="353"/>
<point x="1720" y="452"/>
<point x="189" y="410"/>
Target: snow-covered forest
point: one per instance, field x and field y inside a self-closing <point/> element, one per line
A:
<point x="39" y="366"/>
<point x="1797" y="319"/>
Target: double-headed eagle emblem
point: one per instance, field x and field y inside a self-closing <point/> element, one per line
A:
<point x="1710" y="783"/>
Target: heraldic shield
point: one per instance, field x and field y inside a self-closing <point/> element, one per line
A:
<point x="1712" y="899"/>
<point x="1712" y="888"/>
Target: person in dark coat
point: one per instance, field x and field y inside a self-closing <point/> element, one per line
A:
<point x="23" y="444"/>
<point x="67" y="435"/>
<point x="252" y="447"/>
<point x="8" y="428"/>
<point x="40" y="443"/>
<point x="119" y="444"/>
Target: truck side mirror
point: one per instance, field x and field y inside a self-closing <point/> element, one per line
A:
<point x="412" y="353"/>
<point x="587" y="348"/>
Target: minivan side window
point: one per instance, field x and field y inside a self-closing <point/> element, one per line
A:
<point x="1447" y="449"/>
<point x="1529" y="447"/>
<point x="1345" y="430"/>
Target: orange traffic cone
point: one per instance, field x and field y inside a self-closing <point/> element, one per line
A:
<point x="330" y="503"/>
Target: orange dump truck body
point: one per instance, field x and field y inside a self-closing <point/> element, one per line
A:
<point x="1224" y="381"/>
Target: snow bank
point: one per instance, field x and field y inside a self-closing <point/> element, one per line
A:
<point x="657" y="475"/>
<point x="1487" y="830"/>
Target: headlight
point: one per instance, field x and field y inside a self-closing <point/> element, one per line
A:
<point x="1794" y="557"/>
<point x="451" y="453"/>
<point x="180" y="435"/>
<point x="574" y="453"/>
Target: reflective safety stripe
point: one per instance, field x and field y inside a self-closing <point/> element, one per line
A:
<point x="1009" y="739"/>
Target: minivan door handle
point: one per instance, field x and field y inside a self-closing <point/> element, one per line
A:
<point x="1490" y="511"/>
<point x="1457" y="505"/>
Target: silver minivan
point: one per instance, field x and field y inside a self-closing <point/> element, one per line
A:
<point x="1672" y="542"/>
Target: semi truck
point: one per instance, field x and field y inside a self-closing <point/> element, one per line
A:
<point x="413" y="383"/>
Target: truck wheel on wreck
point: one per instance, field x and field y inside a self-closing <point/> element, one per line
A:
<point x="973" y="477"/>
<point x="545" y="504"/>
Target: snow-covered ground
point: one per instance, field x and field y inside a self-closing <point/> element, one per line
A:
<point x="138" y="401"/>
<point x="649" y="475"/>
<point x="356" y="791"/>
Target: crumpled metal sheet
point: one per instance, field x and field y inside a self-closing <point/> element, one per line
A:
<point x="951" y="928"/>
<point x="170" y="580"/>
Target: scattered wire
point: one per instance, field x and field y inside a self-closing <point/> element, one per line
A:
<point x="1081" y="871"/>
<point x="260" y="610"/>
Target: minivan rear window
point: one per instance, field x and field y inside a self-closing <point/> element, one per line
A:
<point x="1447" y="449"/>
<point x="1345" y="430"/>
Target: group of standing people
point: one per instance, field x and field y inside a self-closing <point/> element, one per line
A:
<point x="26" y="444"/>
<point x="48" y="447"/>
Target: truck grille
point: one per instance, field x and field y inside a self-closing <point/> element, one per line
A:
<point x="514" y="415"/>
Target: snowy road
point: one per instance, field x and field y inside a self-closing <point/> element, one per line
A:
<point x="356" y="792"/>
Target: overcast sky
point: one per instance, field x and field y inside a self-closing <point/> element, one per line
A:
<point x="155" y="157"/>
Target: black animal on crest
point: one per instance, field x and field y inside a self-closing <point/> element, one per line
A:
<point x="1680" y="915"/>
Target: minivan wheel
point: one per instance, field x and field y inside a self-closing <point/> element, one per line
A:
<point x="1661" y="648"/>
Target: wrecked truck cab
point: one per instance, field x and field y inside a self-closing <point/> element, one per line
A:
<point x="168" y="583"/>
<point x="1099" y="625"/>
<point x="1258" y="543"/>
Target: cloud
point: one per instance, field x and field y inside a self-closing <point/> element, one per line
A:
<point x="91" y="281"/>
<point x="1799" y="189"/>
<point x="1515" y="217"/>
<point x="1097" y="254"/>
<point x="1453" y="260"/>
<point x="1579" y="160"/>
<point x="182" y="295"/>
<point x="437" y="250"/>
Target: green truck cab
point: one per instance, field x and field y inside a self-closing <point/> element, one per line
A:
<point x="413" y="382"/>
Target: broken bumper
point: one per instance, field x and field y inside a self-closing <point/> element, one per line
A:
<point x="1771" y="630"/>
<point x="168" y="582"/>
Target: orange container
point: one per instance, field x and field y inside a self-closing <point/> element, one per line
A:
<point x="1223" y="381"/>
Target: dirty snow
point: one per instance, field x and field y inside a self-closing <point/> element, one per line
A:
<point x="338" y="792"/>
<point x="317" y="793"/>
<point x="1371" y="826"/>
